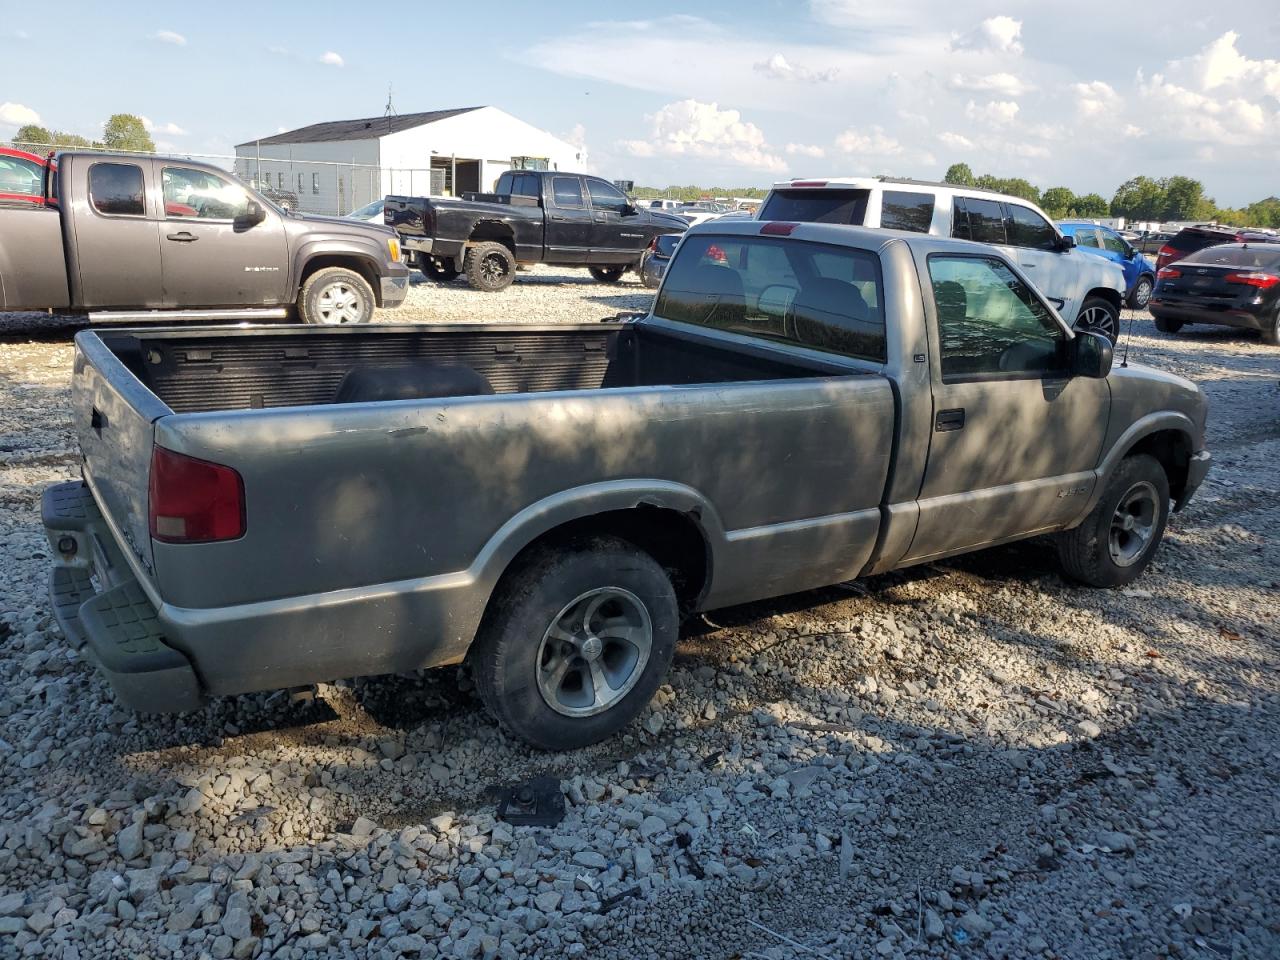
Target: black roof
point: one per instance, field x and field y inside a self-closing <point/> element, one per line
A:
<point x="359" y="129"/>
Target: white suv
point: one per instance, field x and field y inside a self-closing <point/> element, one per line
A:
<point x="1087" y="291"/>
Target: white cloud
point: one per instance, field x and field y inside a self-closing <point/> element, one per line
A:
<point x="804" y="150"/>
<point x="1003" y="84"/>
<point x="993" y="35"/>
<point x="955" y="141"/>
<point x="1095" y="97"/>
<point x="15" y="114"/>
<point x="1221" y="64"/>
<point x="691" y="127"/>
<point x="168" y="36"/>
<point x="332" y="59"/>
<point x="996" y="113"/>
<point x="874" y="143"/>
<point x="779" y="68"/>
<point x="170" y="128"/>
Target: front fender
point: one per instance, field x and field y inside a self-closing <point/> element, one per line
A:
<point x="1137" y="431"/>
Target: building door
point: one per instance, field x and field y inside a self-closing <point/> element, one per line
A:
<point x="468" y="176"/>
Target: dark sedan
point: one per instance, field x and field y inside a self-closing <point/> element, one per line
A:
<point x="654" y="265"/>
<point x="1232" y="285"/>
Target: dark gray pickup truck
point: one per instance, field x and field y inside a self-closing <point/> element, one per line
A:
<point x="128" y="238"/>
<point x="532" y="217"/>
<point x="263" y="508"/>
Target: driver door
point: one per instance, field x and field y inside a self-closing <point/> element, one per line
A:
<point x="616" y="235"/>
<point x="211" y="254"/>
<point x="1015" y="438"/>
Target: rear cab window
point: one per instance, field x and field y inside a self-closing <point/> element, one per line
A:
<point x="115" y="189"/>
<point x="901" y="210"/>
<point x="567" y="191"/>
<point x="812" y="295"/>
<point x="817" y="205"/>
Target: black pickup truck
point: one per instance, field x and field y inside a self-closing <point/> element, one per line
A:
<point x="532" y="217"/>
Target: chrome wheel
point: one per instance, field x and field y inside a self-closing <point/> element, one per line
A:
<point x="1142" y="293"/>
<point x="594" y="652"/>
<point x="1099" y="320"/>
<point x="1134" y="523"/>
<point x="339" y="302"/>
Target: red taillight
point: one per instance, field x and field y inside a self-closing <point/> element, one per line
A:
<point x="1166" y="251"/>
<point x="194" y="501"/>
<point x="778" y="228"/>
<point x="1168" y="273"/>
<point x="808" y="183"/>
<point x="1254" y="278"/>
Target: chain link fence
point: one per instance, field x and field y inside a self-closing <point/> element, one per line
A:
<point x="307" y="184"/>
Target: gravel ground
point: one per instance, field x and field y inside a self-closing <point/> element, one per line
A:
<point x="965" y="759"/>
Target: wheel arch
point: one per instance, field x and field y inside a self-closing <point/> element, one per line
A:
<point x="1167" y="436"/>
<point x="365" y="266"/>
<point x="493" y="231"/>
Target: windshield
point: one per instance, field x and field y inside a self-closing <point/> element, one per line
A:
<point x="1261" y="257"/>
<point x="367" y="212"/>
<point x="814" y="205"/>
<point x="666" y="244"/>
<point x="812" y="295"/>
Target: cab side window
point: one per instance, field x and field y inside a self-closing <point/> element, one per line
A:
<point x="116" y="189"/>
<point x="990" y="325"/>
<point x="1028" y="229"/>
<point x="980" y="220"/>
<point x="900" y="210"/>
<point x="605" y="196"/>
<point x="1113" y="243"/>
<point x="1087" y="237"/>
<point x="567" y="191"/>
<point x="201" y="195"/>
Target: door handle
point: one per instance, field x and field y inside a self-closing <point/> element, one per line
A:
<point x="1027" y="266"/>
<point x="553" y="217"/>
<point x="183" y="237"/>
<point x="948" y="420"/>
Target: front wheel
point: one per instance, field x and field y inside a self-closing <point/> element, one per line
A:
<point x="336" y="295"/>
<point x="1118" y="538"/>
<point x="1099" y="316"/>
<point x="607" y="274"/>
<point x="575" y="642"/>
<point x="489" y="266"/>
<point x="1141" y="293"/>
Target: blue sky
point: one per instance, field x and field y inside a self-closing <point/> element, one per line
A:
<point x="1079" y="93"/>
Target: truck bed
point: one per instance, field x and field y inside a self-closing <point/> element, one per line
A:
<point x="202" y="371"/>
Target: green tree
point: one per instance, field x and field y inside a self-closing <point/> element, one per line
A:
<point x="33" y="134"/>
<point x="1091" y="206"/>
<point x="124" y="131"/>
<point x="61" y="139"/>
<point x="1264" y="213"/>
<point x="1140" y="198"/>
<point x="959" y="173"/>
<point x="1185" y="200"/>
<point x="1058" y="202"/>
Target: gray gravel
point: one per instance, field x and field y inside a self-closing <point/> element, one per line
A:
<point x="965" y="759"/>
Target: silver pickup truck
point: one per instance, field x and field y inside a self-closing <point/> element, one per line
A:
<point x="129" y="238"/>
<point x="805" y="404"/>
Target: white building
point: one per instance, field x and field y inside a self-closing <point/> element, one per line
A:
<point x="339" y="166"/>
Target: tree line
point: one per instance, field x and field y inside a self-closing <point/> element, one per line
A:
<point x="123" y="131"/>
<point x="1139" y="198"/>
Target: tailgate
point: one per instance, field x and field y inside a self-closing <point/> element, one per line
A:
<point x="409" y="216"/>
<point x="114" y="415"/>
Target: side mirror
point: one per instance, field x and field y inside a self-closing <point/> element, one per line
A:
<point x="629" y="210"/>
<point x="253" y="214"/>
<point x="1092" y="355"/>
<point x="1065" y="243"/>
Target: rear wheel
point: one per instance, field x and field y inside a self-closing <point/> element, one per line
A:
<point x="1099" y="316"/>
<point x="1166" y="325"/>
<point x="575" y="642"/>
<point x="607" y="274"/>
<point x="489" y="266"/>
<point x="442" y="271"/>
<point x="1141" y="294"/>
<point x="1271" y="334"/>
<point x="1118" y="538"/>
<point x="336" y="295"/>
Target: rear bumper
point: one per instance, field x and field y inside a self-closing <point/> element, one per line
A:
<point x="112" y="619"/>
<point x="1192" y="313"/>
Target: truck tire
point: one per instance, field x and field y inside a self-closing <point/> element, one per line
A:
<point x="489" y="266"/>
<point x="1165" y="325"/>
<point x="607" y="274"/>
<point x="1100" y="316"/>
<point x="336" y="295"/>
<point x="1120" y="535"/>
<point x="1271" y="333"/>
<point x="575" y="642"/>
<point x="442" y="271"/>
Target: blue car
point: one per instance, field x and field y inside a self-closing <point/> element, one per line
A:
<point x="1139" y="272"/>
